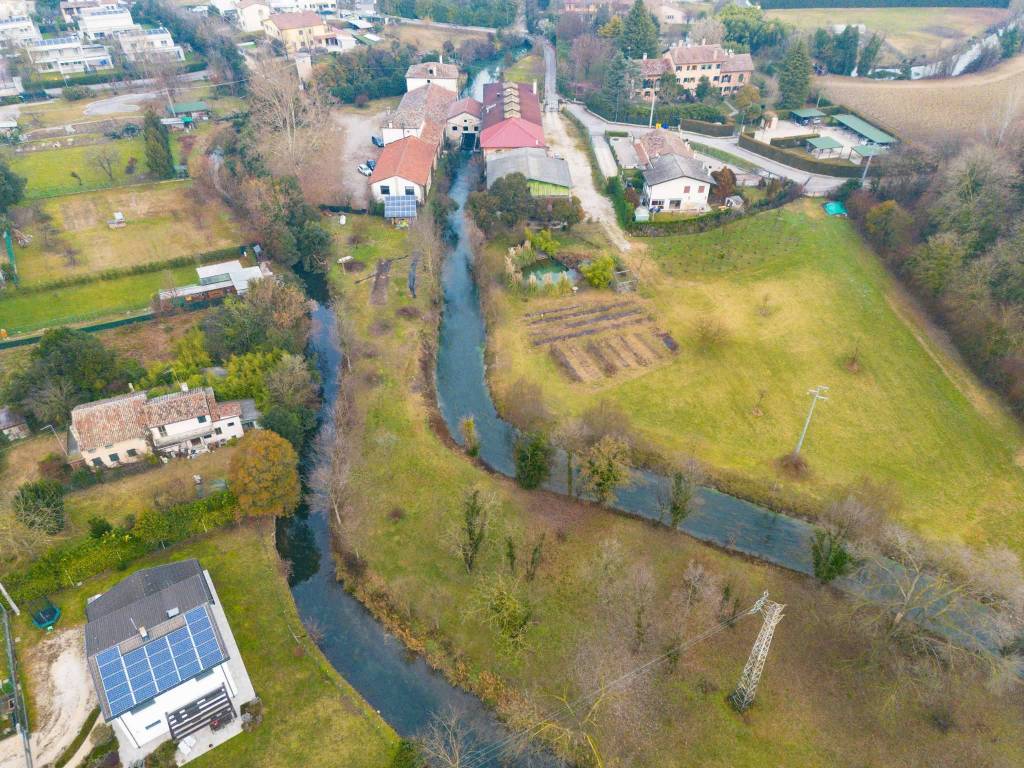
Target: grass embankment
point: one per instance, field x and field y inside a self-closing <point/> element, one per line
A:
<point x="818" y="705"/>
<point x="527" y="69"/>
<point x="795" y="295"/>
<point x="311" y="717"/>
<point x="22" y="312"/>
<point x="165" y="221"/>
<point x="49" y="170"/>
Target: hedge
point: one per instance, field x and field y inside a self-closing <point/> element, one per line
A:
<point x="139" y="269"/>
<point x="96" y="78"/>
<point x="797" y="160"/>
<point x="769" y="5"/>
<point x="698" y="118"/>
<point x="67" y="564"/>
<point x="792" y="142"/>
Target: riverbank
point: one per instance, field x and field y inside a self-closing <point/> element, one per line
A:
<point x="400" y="532"/>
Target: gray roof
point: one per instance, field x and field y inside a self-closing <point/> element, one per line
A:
<point x="142" y="600"/>
<point x="9" y="418"/>
<point x="534" y="163"/>
<point x="669" y="167"/>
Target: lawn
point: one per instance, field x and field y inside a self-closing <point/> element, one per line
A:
<point x="908" y="32"/>
<point x="23" y="312"/>
<point x="312" y="718"/>
<point x="527" y="69"/>
<point x="795" y="295"/>
<point x="49" y="171"/>
<point x="819" y="705"/>
<point x="165" y="221"/>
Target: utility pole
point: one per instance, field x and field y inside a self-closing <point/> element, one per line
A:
<point x="56" y="437"/>
<point x="816" y="393"/>
<point x="743" y="696"/>
<point x="654" y="100"/>
<point x="867" y="167"/>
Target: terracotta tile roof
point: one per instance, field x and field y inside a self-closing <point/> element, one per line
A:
<point x="653" y="67"/>
<point x="658" y="142"/>
<point x="299" y="20"/>
<point x="511" y="134"/>
<point x="427" y="103"/>
<point x="697" y="54"/>
<point x="504" y="101"/>
<point x="409" y="158"/>
<point x="469" y="106"/>
<point x="180" y="406"/>
<point x="433" y="69"/>
<point x="740" y="62"/>
<point x="109" y="421"/>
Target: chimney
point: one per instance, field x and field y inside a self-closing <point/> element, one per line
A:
<point x="143" y="632"/>
<point x="184" y="387"/>
<point x="703" y="40"/>
<point x="645" y="56"/>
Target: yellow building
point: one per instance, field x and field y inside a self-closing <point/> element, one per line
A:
<point x="298" y="31"/>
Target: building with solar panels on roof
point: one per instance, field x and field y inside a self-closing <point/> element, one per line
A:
<point x="165" y="663"/>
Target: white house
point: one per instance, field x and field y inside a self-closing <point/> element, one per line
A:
<point x="71" y="10"/>
<point x="252" y="14"/>
<point x="68" y="54"/>
<point x="462" y="126"/>
<point x="121" y="430"/>
<point x="18" y="30"/>
<point x="436" y="72"/>
<point x="100" y="23"/>
<point x="404" y="168"/>
<point x="165" y="663"/>
<point x="676" y="183"/>
<point x="140" y="44"/>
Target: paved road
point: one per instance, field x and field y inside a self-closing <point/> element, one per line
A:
<point x="550" y="75"/>
<point x="814" y="184"/>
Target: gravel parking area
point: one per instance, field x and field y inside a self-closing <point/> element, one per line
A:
<point x="359" y="125"/>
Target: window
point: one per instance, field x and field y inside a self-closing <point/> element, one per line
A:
<point x="385" y="189"/>
<point x="218" y="431"/>
<point x="195" y="441"/>
<point x="153" y="725"/>
<point x="674" y="203"/>
<point x="410" y="191"/>
<point x="97" y="462"/>
<point x="700" y="189"/>
<point x="132" y="452"/>
<point x="114" y="458"/>
<point x="202" y="419"/>
<point x="686" y="190"/>
<point x="231" y="423"/>
<point x="162" y="431"/>
<point x="455" y="128"/>
<point x="658" y="203"/>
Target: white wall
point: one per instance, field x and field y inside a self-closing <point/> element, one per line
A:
<point x="394" y="134"/>
<point x="187" y="429"/>
<point x="692" y="194"/>
<point x="396" y="185"/>
<point x="140" y="446"/>
<point x="105" y="24"/>
<point x="251" y="18"/>
<point x="412" y="83"/>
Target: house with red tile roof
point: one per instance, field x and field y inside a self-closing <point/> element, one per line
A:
<point x="725" y="70"/>
<point x="422" y="113"/>
<point x="404" y="168"/>
<point x="297" y="31"/>
<point x="432" y="72"/>
<point x="462" y="126"/>
<point x="122" y="429"/>
<point x="510" y="118"/>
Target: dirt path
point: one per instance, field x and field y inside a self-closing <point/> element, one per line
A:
<point x="596" y="206"/>
<point x="63" y="694"/>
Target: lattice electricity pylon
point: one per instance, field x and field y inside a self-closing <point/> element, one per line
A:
<point x="743" y="696"/>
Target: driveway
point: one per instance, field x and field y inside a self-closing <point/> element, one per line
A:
<point x="115" y="105"/>
<point x="596" y="206"/>
<point x="814" y="184"/>
<point x="359" y="126"/>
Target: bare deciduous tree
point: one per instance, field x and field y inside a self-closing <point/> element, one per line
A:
<point x="105" y="159"/>
<point x="448" y="741"/>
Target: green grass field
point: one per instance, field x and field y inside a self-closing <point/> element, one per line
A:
<point x="911" y="418"/>
<point x="311" y="717"/>
<point x="907" y="31"/>
<point x="165" y="221"/>
<point x="20" y="313"/>
<point x="819" y="704"/>
<point x="49" y="171"/>
<point x="527" y="69"/>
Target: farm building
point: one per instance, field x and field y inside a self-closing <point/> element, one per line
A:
<point x="165" y="663"/>
<point x="463" y="124"/>
<point x="510" y="118"/>
<point x="546" y="176"/>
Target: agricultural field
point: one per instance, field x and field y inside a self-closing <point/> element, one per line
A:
<point x="428" y="38"/>
<point x="762" y="310"/>
<point x="406" y="532"/>
<point x="329" y="724"/>
<point x="70" y="236"/>
<point x="28" y="311"/>
<point x="908" y="32"/>
<point x="936" y="111"/>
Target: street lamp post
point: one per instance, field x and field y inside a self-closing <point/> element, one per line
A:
<point x="816" y="393"/>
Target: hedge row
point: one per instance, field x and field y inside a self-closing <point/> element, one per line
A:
<point x="698" y="118"/>
<point x="96" y="78"/>
<point x="139" y="269"/>
<point x="797" y="160"/>
<point x="792" y="142"/>
<point x="712" y="219"/>
<point x="67" y="564"/>
<point x="769" y="5"/>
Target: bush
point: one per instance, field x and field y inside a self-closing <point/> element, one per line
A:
<point x="533" y="453"/>
<point x="600" y="271"/>
<point x="40" y="505"/>
<point x="75" y="92"/>
<point x="829" y="556"/>
<point x="698" y="118"/>
<point x="98" y="527"/>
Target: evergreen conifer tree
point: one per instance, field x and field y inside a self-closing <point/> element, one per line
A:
<point x="639" y="33"/>
<point x="157" y="143"/>
<point x="795" y="77"/>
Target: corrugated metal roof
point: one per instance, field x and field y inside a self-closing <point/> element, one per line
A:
<point x="534" y="164"/>
<point x="865" y="129"/>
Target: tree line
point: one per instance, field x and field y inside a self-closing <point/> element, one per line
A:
<point x="475" y="13"/>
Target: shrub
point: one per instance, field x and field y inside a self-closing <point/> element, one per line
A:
<point x="98" y="527"/>
<point x="830" y="557"/>
<point x="600" y="272"/>
<point x="75" y="92"/>
<point x="40" y="505"/>
<point x="533" y="453"/>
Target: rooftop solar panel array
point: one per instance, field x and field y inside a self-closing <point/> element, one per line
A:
<point x="160" y="664"/>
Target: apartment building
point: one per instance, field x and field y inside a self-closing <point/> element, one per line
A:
<point x="140" y="44"/>
<point x="103" y="23"/>
<point x="67" y="55"/>
<point x="17" y="31"/>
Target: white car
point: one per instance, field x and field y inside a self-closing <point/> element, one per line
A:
<point x="365" y="170"/>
